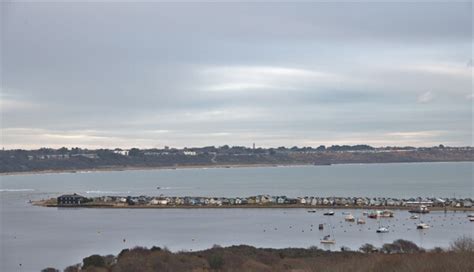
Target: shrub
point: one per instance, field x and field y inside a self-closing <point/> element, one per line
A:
<point x="405" y="246"/>
<point x="73" y="268"/>
<point x="216" y="261"/>
<point x="463" y="244"/>
<point x="93" y="260"/>
<point x="368" y="248"/>
<point x="50" y="269"/>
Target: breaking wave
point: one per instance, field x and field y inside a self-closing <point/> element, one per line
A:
<point x="16" y="190"/>
<point x="106" y="192"/>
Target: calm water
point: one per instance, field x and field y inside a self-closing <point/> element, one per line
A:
<point x="38" y="237"/>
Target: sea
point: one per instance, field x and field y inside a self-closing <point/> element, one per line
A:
<point x="33" y="238"/>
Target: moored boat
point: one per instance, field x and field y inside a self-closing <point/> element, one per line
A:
<point x="328" y="240"/>
<point x="349" y="218"/>
<point x="420" y="209"/>
<point x="382" y="230"/>
<point x="422" y="226"/>
<point x="360" y="221"/>
<point x="329" y="213"/>
<point x="414" y="216"/>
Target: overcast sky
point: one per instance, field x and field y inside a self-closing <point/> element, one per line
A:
<point x="155" y="74"/>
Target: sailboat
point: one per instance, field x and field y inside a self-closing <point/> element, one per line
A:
<point x="329" y="238"/>
<point x="382" y="229"/>
<point x="422" y="225"/>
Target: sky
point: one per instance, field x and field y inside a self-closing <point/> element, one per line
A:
<point x="119" y="74"/>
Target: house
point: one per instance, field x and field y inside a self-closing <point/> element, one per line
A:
<point x="121" y="152"/>
<point x="189" y="153"/>
<point x="467" y="204"/>
<point x="71" y="200"/>
<point x="281" y="200"/>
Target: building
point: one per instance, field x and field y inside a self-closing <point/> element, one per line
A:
<point x="71" y="200"/>
<point x="121" y="152"/>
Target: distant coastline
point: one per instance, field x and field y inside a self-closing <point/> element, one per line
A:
<point x="207" y="166"/>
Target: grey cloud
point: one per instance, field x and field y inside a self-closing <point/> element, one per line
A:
<point x="117" y="71"/>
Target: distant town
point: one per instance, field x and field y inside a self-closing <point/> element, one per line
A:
<point x="415" y="204"/>
<point x="74" y="159"/>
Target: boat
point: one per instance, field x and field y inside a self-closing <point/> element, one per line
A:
<point x="349" y="218"/>
<point x="422" y="226"/>
<point x="311" y="211"/>
<point x="382" y="230"/>
<point x="471" y="215"/>
<point x="420" y="209"/>
<point x="414" y="216"/>
<point x="387" y="213"/>
<point x="328" y="240"/>
<point x="374" y="214"/>
<point x="360" y="221"/>
<point x="329" y="213"/>
<point x="471" y="219"/>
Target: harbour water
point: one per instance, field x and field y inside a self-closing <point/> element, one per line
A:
<point x="37" y="237"/>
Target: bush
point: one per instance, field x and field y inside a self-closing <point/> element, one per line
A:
<point x="405" y="246"/>
<point x="93" y="260"/>
<point x="216" y="261"/>
<point x="50" y="269"/>
<point x="463" y="244"/>
<point x="368" y="248"/>
<point x="73" y="268"/>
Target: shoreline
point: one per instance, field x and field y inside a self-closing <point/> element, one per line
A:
<point x="248" y="206"/>
<point x="205" y="166"/>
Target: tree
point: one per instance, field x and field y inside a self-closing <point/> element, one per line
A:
<point x="463" y="244"/>
<point x="93" y="260"/>
<point x="50" y="269"/>
<point x="368" y="248"/>
<point x="216" y="261"/>
<point x="134" y="152"/>
<point x="321" y="148"/>
<point x="405" y="246"/>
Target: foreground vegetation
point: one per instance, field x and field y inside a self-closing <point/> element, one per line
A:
<point x="400" y="255"/>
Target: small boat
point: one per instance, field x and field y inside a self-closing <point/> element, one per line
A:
<point x="329" y="213"/>
<point x="414" y="216"/>
<point x="311" y="211"/>
<point x="365" y="213"/>
<point x="422" y="226"/>
<point x="328" y="240"/>
<point x="349" y="218"/>
<point x="360" y="221"/>
<point x="420" y="209"/>
<point x="374" y="214"/>
<point x="382" y="230"/>
<point x="387" y="213"/>
<point x="158" y="188"/>
<point x="471" y="215"/>
<point x="471" y="219"/>
<point x="321" y="226"/>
